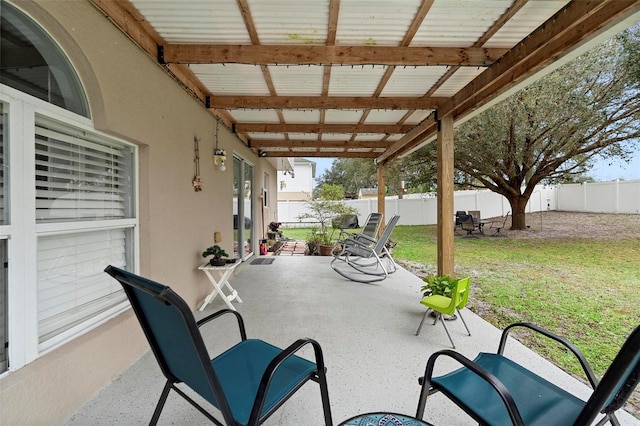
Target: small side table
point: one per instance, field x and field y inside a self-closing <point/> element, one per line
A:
<point x="383" y="419"/>
<point x="219" y="277"/>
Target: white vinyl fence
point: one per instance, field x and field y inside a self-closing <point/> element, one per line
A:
<point x="421" y="209"/>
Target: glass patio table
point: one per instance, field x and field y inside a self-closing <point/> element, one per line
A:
<point x="382" y="418"/>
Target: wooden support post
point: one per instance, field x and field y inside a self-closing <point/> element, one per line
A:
<point x="382" y="193"/>
<point x="445" y="196"/>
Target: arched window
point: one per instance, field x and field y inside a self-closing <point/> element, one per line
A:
<point x="32" y="63"/>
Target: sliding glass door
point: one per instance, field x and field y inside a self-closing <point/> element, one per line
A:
<point x="242" y="208"/>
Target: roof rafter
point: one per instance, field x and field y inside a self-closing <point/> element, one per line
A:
<point x="321" y="128"/>
<point x="281" y="143"/>
<point x="324" y="102"/>
<point x="327" y="55"/>
<point x="323" y="154"/>
<point x="569" y="27"/>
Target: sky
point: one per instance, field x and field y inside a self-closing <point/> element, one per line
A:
<point x="601" y="172"/>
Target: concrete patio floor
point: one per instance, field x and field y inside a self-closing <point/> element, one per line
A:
<point x="367" y="332"/>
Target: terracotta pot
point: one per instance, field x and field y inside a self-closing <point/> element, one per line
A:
<point x="325" y="250"/>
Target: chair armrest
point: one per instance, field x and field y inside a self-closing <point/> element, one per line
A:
<point x="273" y="367"/>
<point x="243" y="333"/>
<point x="366" y="238"/>
<point x="357" y="247"/>
<point x="487" y="376"/>
<point x="344" y="235"/>
<point x="574" y="349"/>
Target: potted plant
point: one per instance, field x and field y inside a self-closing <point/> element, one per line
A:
<point x="312" y="242"/>
<point x="325" y="245"/>
<point x="442" y="285"/>
<point x="328" y="206"/>
<point x="274" y="230"/>
<point x="218" y="254"/>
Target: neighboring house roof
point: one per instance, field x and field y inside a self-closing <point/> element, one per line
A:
<point x="304" y="161"/>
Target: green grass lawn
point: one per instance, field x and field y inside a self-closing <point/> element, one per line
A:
<point x="583" y="289"/>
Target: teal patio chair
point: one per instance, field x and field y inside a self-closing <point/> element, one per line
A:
<point x="496" y="390"/>
<point x="443" y="305"/>
<point x="247" y="382"/>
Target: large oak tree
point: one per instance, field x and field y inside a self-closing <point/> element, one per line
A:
<point x="550" y="132"/>
<point x="553" y="130"/>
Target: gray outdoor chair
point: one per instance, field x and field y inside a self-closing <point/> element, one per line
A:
<point x="369" y="230"/>
<point x="365" y="259"/>
<point x="468" y="225"/>
<point x="499" y="225"/>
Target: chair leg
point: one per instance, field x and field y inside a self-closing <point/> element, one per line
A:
<point x="609" y="418"/>
<point x="463" y="322"/>
<point x="422" y="321"/>
<point x="324" y="394"/>
<point x="445" y="329"/>
<point x="160" y="405"/>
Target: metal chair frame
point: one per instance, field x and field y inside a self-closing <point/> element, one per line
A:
<point x="368" y="257"/>
<point x="370" y="230"/>
<point x="494" y="389"/>
<point x="499" y="225"/>
<point x="259" y="375"/>
<point x="457" y="301"/>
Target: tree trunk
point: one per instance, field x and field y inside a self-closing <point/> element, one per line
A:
<point x="518" y="215"/>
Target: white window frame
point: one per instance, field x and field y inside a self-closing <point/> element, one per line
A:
<point x="22" y="231"/>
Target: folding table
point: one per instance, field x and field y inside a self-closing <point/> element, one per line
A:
<point x="219" y="277"/>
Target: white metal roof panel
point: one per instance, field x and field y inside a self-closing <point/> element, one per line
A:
<point x="283" y="21"/>
<point x="385" y="116"/>
<point x="530" y="17"/>
<point x="355" y="81"/>
<point x="297" y="80"/>
<point x="336" y="136"/>
<point x="301" y="116"/>
<point x="274" y="136"/>
<point x="369" y="137"/>
<point x="231" y="79"/>
<point x="195" y="21"/>
<point x="375" y="22"/>
<point x="412" y="81"/>
<point x="337" y="116"/>
<point x="458" y="23"/>
<point x="254" y="116"/>
<point x="303" y="136"/>
<point x="418" y="116"/>
<point x="457" y="81"/>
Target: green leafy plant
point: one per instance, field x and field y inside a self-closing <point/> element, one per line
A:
<point x="315" y="238"/>
<point x="216" y="251"/>
<point x="442" y="285"/>
<point x="326" y="207"/>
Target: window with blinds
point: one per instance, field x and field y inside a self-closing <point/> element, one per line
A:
<point x="72" y="285"/>
<point x="80" y="176"/>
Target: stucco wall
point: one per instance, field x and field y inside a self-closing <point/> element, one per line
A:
<point x="133" y="98"/>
